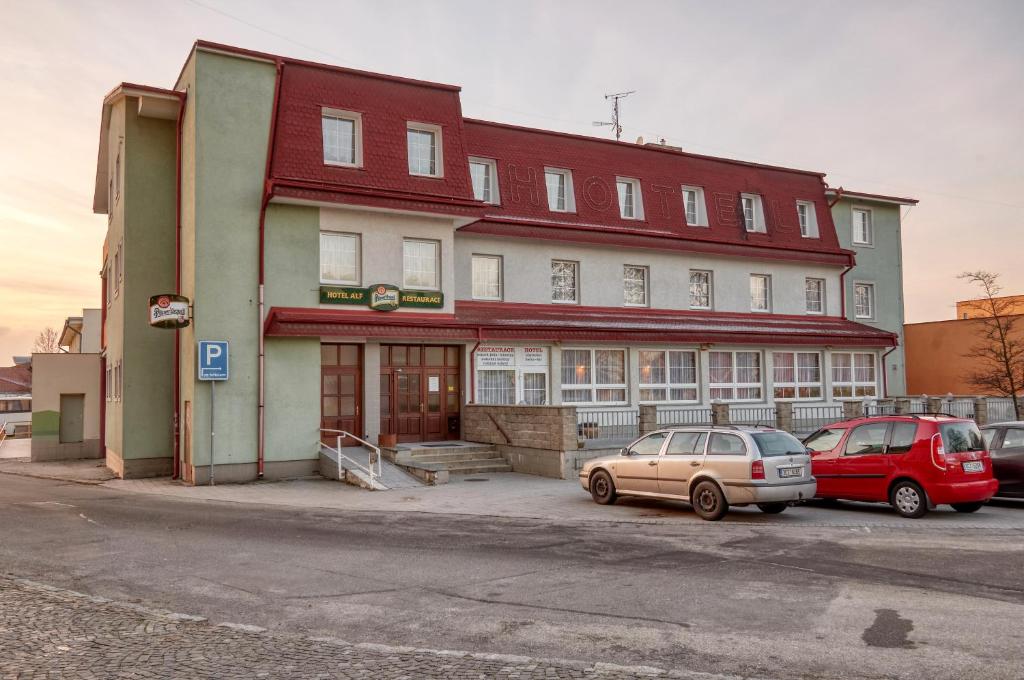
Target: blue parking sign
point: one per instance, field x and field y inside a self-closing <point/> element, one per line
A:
<point x="213" y="359"/>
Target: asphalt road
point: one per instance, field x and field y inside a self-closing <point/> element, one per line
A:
<point x="935" y="600"/>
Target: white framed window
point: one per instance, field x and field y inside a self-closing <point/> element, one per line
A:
<point x="109" y="383"/>
<point x="484" y="174"/>
<point x="561" y="197"/>
<point x="814" y="295"/>
<point x="108" y="285"/>
<point x="753" y="213"/>
<point x="695" y="208"/>
<point x="760" y="293"/>
<point x="565" y="277"/>
<point x="487" y="277"/>
<point x="593" y="376"/>
<point x="735" y="376"/>
<point x="421" y="264"/>
<point x="864" y="300"/>
<point x="117" y="176"/>
<point x="340" y="258"/>
<point x="701" y="289"/>
<point x="535" y="388"/>
<point x="634" y="285"/>
<point x="117" y="270"/>
<point x="853" y="375"/>
<point x="342" y="137"/>
<point x="496" y="386"/>
<point x="110" y="200"/>
<point x="668" y="375"/>
<point x="512" y="375"/>
<point x="426" y="158"/>
<point x="797" y="375"/>
<point x="631" y="204"/>
<point x="863" y="230"/>
<point x="808" y="218"/>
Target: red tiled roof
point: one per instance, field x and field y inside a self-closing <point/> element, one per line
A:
<point x="15" y="380"/>
<point x="523" y="153"/>
<point x="512" y="321"/>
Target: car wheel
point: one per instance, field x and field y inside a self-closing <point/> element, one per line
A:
<point x="709" y="502"/>
<point x="908" y="500"/>
<point x="602" y="488"/>
<point x="967" y="507"/>
<point x="772" y="508"/>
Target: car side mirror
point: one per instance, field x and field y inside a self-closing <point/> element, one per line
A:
<point x="624" y="452"/>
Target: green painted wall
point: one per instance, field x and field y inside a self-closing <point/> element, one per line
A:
<point x="46" y="424"/>
<point x="293" y="364"/>
<point x="232" y="101"/>
<point x="881" y="264"/>
<point x="149" y="195"/>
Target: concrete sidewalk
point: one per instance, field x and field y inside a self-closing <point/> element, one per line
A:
<point x="515" y="495"/>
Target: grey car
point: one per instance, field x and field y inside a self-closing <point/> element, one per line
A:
<point x="1005" y="443"/>
<point x="709" y="467"/>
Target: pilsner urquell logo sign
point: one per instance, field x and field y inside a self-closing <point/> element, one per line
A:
<point x="382" y="297"/>
<point x="168" y="311"/>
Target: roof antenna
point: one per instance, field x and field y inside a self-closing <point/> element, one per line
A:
<point x="615" y="112"/>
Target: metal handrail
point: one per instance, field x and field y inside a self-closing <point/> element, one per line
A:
<point x="374" y="453"/>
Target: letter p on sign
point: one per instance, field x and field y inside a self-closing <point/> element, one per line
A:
<point x="213" y="360"/>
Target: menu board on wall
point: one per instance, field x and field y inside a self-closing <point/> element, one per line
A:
<point x="495" y="357"/>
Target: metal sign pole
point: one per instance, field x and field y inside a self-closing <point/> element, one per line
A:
<point x="212" y="383"/>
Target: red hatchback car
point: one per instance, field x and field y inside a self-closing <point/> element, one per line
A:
<point x="912" y="462"/>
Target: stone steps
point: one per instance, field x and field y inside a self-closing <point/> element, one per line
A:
<point x="453" y="456"/>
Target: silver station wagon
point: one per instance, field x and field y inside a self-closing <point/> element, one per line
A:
<point x="709" y="467"/>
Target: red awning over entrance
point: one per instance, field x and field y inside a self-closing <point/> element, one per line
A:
<point x="529" y="322"/>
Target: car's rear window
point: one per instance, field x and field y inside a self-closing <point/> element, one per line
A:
<point x="960" y="437"/>
<point x="778" y="444"/>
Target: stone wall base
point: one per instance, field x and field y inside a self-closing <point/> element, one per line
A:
<point x="50" y="448"/>
<point x="548" y="462"/>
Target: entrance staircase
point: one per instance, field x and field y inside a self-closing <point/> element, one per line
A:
<point x="435" y="461"/>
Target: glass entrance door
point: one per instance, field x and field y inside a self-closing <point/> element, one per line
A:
<point x="419" y="392"/>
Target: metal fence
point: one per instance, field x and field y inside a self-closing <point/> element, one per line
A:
<point x="684" y="416"/>
<point x="608" y="424"/>
<point x="752" y="415"/>
<point x="1000" y="410"/>
<point x="808" y="419"/>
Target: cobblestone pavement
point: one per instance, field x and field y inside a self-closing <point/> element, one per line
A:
<point x="47" y="632"/>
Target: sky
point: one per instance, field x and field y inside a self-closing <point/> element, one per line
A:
<point x="919" y="99"/>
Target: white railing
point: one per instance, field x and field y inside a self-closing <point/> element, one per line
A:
<point x="3" y="433"/>
<point x="373" y="463"/>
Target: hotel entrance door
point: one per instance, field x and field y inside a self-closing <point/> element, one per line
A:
<point x="420" y="392"/>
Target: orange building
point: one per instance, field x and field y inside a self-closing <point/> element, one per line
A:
<point x="974" y="309"/>
<point x="935" y="352"/>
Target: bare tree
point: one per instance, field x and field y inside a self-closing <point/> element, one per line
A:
<point x="47" y="341"/>
<point x="999" y="353"/>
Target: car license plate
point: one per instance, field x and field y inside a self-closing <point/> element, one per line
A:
<point x="790" y="472"/>
<point x="974" y="466"/>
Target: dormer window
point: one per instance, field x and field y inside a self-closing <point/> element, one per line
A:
<point x="808" y="219"/>
<point x="631" y="205"/>
<point x="342" y="137"/>
<point x="753" y="213"/>
<point x="561" y="197"/>
<point x="425" y="151"/>
<point x="693" y="204"/>
<point x="483" y="172"/>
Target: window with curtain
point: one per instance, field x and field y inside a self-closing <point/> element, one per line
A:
<point x="796" y="375"/>
<point x="735" y="376"/>
<point x="668" y="375"/>
<point x="339" y="258"/>
<point x="593" y="376"/>
<point x="854" y="375"/>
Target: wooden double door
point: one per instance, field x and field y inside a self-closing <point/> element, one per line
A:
<point x="420" y="392"/>
<point x="341" y="391"/>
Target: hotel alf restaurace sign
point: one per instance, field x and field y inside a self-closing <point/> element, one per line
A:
<point x="382" y="297"/>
